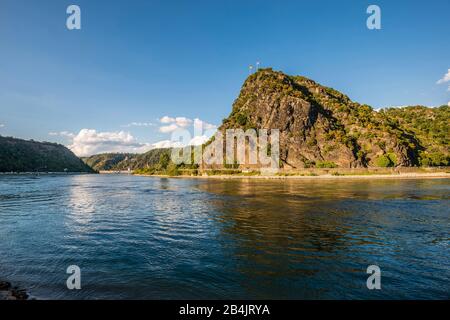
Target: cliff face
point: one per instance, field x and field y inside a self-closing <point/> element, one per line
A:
<point x="320" y="126"/>
<point x="19" y="155"/>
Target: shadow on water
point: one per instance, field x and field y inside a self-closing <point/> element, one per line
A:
<point x="308" y="239"/>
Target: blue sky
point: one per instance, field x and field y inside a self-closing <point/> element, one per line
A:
<point x="134" y="62"/>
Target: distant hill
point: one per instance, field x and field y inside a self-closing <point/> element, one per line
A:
<point x="109" y="161"/>
<point x="17" y="155"/>
<point x="123" y="161"/>
<point x="321" y="127"/>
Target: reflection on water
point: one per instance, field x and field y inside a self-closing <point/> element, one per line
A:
<point x="137" y="237"/>
<point x="81" y="204"/>
<point x="290" y="232"/>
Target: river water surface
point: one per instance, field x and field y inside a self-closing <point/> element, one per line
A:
<point x="159" y="238"/>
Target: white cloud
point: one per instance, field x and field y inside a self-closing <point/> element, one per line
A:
<point x="166" y="144"/>
<point x="448" y="103"/>
<point x="182" y="121"/>
<point x="89" y="141"/>
<point x="2" y="125"/>
<point x="62" y="134"/>
<point x="166" y="119"/>
<point x="402" y="106"/>
<point x="198" y="140"/>
<point x="167" y="129"/>
<point x="445" y="78"/>
<point x="388" y="107"/>
<point x="138" y="124"/>
<point x="171" y="124"/>
<point x="204" y="125"/>
<point x="202" y="130"/>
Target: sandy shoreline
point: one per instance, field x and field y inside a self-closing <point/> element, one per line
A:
<point x="434" y="175"/>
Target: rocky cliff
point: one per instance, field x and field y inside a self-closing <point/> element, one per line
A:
<point x="322" y="127"/>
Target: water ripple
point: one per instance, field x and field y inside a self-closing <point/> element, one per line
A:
<point x="137" y="237"/>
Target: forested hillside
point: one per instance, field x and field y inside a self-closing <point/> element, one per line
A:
<point x="17" y="155"/>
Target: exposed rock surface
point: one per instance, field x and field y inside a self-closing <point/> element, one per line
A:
<point x="7" y="292"/>
<point x="320" y="126"/>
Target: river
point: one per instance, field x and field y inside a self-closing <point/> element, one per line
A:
<point x="159" y="238"/>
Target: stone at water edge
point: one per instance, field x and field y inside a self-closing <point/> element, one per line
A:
<point x="5" y="285"/>
<point x="7" y="292"/>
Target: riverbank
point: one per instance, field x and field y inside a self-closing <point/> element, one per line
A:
<point x="8" y="292"/>
<point x="430" y="175"/>
<point x="39" y="173"/>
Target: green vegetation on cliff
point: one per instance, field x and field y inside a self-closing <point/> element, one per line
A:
<point x="125" y="161"/>
<point x="109" y="161"/>
<point x="321" y="127"/>
<point x="17" y="155"/>
<point x="431" y="127"/>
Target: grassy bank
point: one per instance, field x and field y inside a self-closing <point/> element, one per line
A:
<point x="318" y="173"/>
